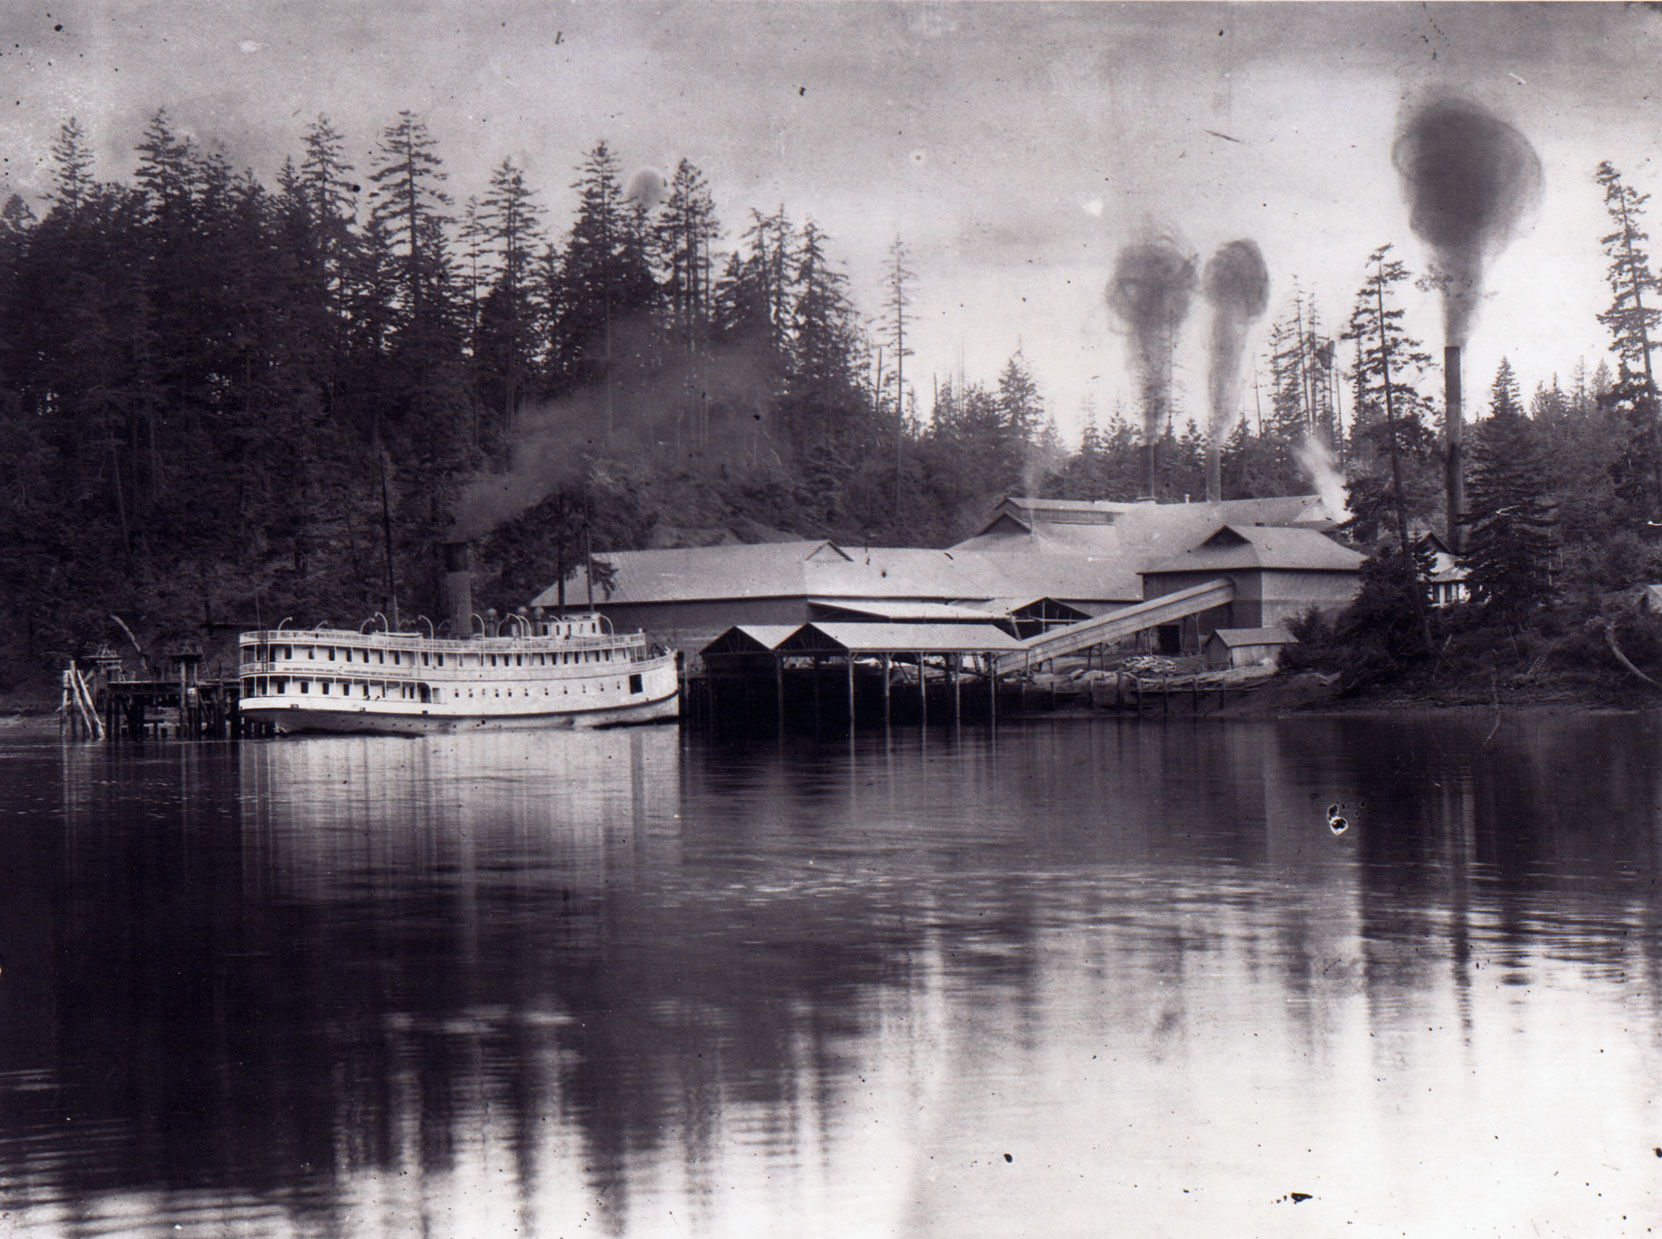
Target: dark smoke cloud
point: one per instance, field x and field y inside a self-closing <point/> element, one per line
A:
<point x="647" y="187"/>
<point x="1237" y="285"/>
<point x="1149" y="293"/>
<point x="565" y="443"/>
<point x="1470" y="179"/>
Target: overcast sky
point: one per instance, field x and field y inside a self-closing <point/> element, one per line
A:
<point x="1014" y="148"/>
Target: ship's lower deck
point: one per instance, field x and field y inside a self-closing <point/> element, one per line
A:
<point x="289" y="717"/>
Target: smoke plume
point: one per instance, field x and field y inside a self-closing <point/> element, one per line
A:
<point x="1237" y="285"/>
<point x="1149" y="293"/>
<point x="1470" y="179"/>
<point x="646" y="187"/>
<point x="717" y="425"/>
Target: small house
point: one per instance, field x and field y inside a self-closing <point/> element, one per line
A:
<point x="1447" y="580"/>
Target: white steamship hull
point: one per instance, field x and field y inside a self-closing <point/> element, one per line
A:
<point x="561" y="673"/>
<point x="295" y="719"/>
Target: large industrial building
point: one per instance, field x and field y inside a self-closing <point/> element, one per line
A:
<point x="1036" y="564"/>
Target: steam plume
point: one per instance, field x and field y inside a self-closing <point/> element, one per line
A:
<point x="1237" y="284"/>
<point x="1316" y="459"/>
<point x="1470" y="179"/>
<point x="1149" y="293"/>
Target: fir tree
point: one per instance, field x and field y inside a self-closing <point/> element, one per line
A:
<point x="1385" y="357"/>
<point x="1510" y="517"/>
<point x="508" y="217"/>
<point x="1019" y="402"/>
<point x="822" y="403"/>
<point x="72" y="181"/>
<point x="408" y="203"/>
<point x="606" y="281"/>
<point x="1630" y="320"/>
<point x="1387" y="428"/>
<point x="1632" y="405"/>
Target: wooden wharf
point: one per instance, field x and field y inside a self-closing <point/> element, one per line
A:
<point x="1181" y="692"/>
<point x="102" y="702"/>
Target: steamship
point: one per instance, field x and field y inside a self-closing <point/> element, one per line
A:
<point x="530" y="671"/>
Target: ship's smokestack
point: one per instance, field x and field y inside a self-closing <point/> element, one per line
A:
<point x="458" y="589"/>
<point x="1453" y="426"/>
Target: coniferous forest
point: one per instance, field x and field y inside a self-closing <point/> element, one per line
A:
<point x="227" y="403"/>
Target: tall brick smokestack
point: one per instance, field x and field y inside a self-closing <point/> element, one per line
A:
<point x="1453" y="428"/>
<point x="458" y="589"/>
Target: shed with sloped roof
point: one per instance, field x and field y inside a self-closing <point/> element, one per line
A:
<point x="1229" y="648"/>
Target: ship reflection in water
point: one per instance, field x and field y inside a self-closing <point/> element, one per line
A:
<point x="1086" y="978"/>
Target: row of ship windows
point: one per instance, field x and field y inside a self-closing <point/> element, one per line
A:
<point x="268" y="686"/>
<point x="291" y="653"/>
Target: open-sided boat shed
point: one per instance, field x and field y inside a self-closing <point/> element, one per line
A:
<point x="748" y="654"/>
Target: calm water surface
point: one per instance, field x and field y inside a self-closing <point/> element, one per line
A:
<point x="1082" y="978"/>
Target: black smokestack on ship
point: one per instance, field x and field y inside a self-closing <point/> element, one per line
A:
<point x="1470" y="178"/>
<point x="458" y="590"/>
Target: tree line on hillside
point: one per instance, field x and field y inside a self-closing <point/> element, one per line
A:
<point x="236" y="402"/>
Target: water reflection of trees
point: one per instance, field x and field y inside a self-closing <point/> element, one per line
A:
<point x="272" y="972"/>
<point x="1493" y="845"/>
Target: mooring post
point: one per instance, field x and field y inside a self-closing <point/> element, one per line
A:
<point x="888" y="666"/>
<point x="849" y="660"/>
<point x="923" y="693"/>
<point x="779" y="694"/>
<point x="992" y="690"/>
<point x="957" y="703"/>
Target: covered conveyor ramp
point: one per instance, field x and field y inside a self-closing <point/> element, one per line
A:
<point x="1117" y="625"/>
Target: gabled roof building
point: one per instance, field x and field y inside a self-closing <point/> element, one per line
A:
<point x="1278" y="572"/>
<point x="1037" y="562"/>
